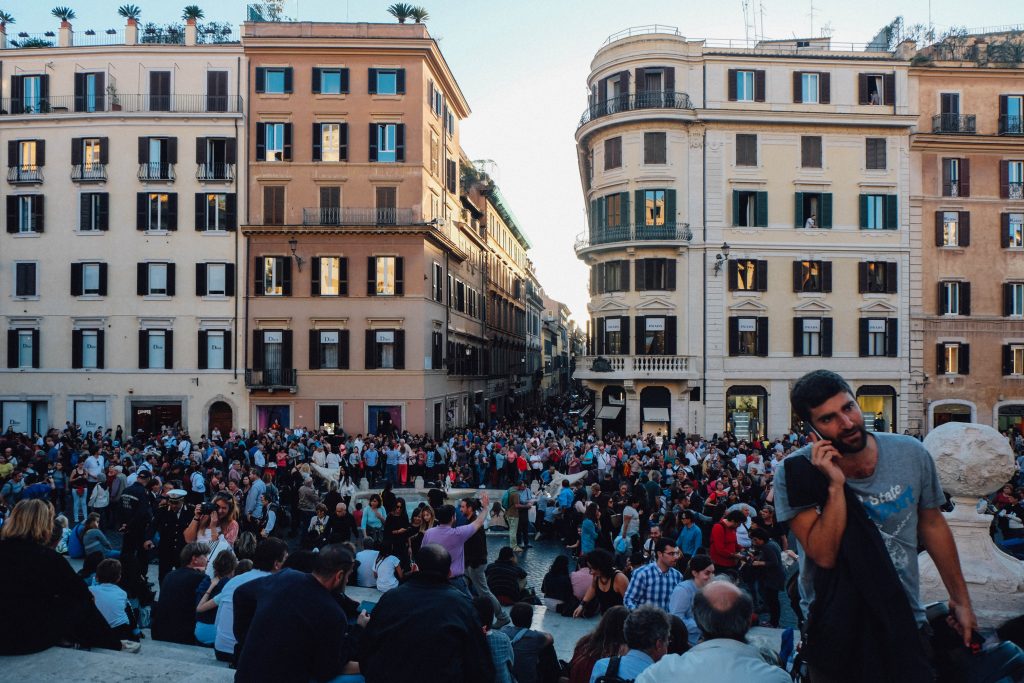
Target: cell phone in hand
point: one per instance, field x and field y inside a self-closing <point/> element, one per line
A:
<point x="366" y="606"/>
<point x="816" y="432"/>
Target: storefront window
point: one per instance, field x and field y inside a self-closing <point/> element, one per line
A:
<point x="745" y="411"/>
<point x="1011" y="418"/>
<point x="951" y="412"/>
<point x="878" y="406"/>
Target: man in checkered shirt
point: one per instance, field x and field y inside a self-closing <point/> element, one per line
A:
<point x="652" y="584"/>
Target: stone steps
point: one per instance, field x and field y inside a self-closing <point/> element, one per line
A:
<point x="153" y="664"/>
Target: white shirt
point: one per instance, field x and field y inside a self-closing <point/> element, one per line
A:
<point x="198" y="482"/>
<point x="364" y="574"/>
<point x="730" y="661"/>
<point x="333" y="460"/>
<point x="94" y="467"/>
<point x="225" y="620"/>
<point x="386" y="579"/>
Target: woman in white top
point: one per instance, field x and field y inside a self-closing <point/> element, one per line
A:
<point x="347" y="487"/>
<point x="320" y="457"/>
<point x="387" y="569"/>
<point x="333" y="459"/>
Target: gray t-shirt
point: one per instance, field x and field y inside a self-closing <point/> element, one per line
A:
<point x="904" y="481"/>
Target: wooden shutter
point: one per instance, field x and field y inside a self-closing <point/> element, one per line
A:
<point x="143" y="349"/>
<point x="400" y="142"/>
<point x="343" y="350"/>
<point x="399" y="349"/>
<point x="939" y="229"/>
<point x="734" y="336"/>
<point x="826" y="337"/>
<point x="761" y="209"/>
<point x="863" y="204"/>
<point x="732" y="85"/>
<point x="76" y="151"/>
<point x="259" y="285"/>
<point x="965" y="229"/>
<point x="965" y="177"/>
<point x="372" y="82"/>
<point x="400" y="81"/>
<point x="892" y="337"/>
<point x="862" y="337"/>
<point x="1004" y="179"/>
<point x="798" y="285"/>
<point x="200" y="211"/>
<point x="798" y="336"/>
<point x="761" y="275"/>
<point x="639" y="333"/>
<point x="600" y="337"/>
<point x="38" y="216"/>
<point x="623" y="267"/>
<point x="12" y="348"/>
<point x="670" y="274"/>
<point x="343" y="276"/>
<point x="141" y="279"/>
<point x="891" y="277"/>
<point x="170" y="279"/>
<point x="229" y="281"/>
<point x="284" y="266"/>
<point x="286" y="350"/>
<point x="798" y="95"/>
<point x="172" y="210"/>
<point x="76" y="279"/>
<point x="1004" y="230"/>
<point x="824" y="88"/>
<point x="231" y="206"/>
<point x="670" y="335"/>
<point x="261" y="79"/>
<point x="200" y="151"/>
<point x="759" y="85"/>
<point x="798" y="212"/>
<point x="371" y="276"/>
<point x="862" y="277"/>
<point x="1007" y="360"/>
<point x="735" y="207"/>
<point x="343" y="142"/>
<point x="201" y="279"/>
<point x="826" y="276"/>
<point x="892" y="214"/>
<point x="734" y="274"/>
<point x="202" y="349"/>
<point x="889" y="88"/>
<point x="317" y="141"/>
<point x="168" y="349"/>
<point x="287" y="154"/>
<point x="314" y="285"/>
<point x="965" y="298"/>
<point x="826" y="210"/>
<point x="261" y="142"/>
<point x="942" y="308"/>
<point x="762" y="336"/>
<point x="172" y="150"/>
<point x="399" y="276"/>
<point x="373" y="141"/>
<point x="103" y="279"/>
<point x="1007" y="299"/>
<point x="103" y="219"/>
<point x="344" y="80"/>
<point x="624" y="332"/>
<point x="76" y="349"/>
<point x="257" y="350"/>
<point x="316" y="80"/>
<point x="314" y="349"/>
<point x="288" y="79"/>
<point x="862" y="89"/>
<point x="965" y="359"/>
<point x="143" y="150"/>
<point x="641" y="280"/>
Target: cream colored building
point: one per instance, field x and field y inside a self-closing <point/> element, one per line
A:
<point x="117" y="264"/>
<point x="748" y="223"/>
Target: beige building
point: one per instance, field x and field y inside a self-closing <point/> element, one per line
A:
<point x="749" y="222"/>
<point x="364" y="293"/>
<point x="121" y="192"/>
<point x="968" y="306"/>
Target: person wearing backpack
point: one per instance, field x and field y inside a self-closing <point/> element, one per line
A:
<point x="646" y="632"/>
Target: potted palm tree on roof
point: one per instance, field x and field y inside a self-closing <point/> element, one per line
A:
<point x="131" y="13"/>
<point x="65" y="14"/>
<point x="191" y="14"/>
<point x="401" y="11"/>
<point x="419" y="14"/>
<point x="5" y="18"/>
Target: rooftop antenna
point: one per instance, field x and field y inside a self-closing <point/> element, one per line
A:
<point x="761" y="11"/>
<point x="749" y="21"/>
<point x="811" y="15"/>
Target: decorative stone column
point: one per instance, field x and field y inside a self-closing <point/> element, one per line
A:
<point x="974" y="461"/>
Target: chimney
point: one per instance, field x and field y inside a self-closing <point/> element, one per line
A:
<point x="190" y="32"/>
<point x="131" y="32"/>
<point x="66" y="37"/>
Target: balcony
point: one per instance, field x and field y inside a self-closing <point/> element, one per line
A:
<point x="358" y="216"/>
<point x="670" y="232"/>
<point x="215" y="172"/>
<point x="634" y="102"/>
<point x="121" y="104"/>
<point x="621" y="368"/>
<point x="155" y="171"/>
<point x="1011" y="125"/>
<point x="1015" y="191"/>
<point x="271" y="380"/>
<point x="24" y="175"/>
<point x="956" y="124"/>
<point x="93" y="173"/>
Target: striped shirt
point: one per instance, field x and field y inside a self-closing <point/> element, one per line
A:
<point x="651" y="586"/>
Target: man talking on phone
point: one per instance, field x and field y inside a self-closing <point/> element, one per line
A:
<point x="861" y="504"/>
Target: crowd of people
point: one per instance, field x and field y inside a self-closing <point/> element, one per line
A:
<point x="673" y="542"/>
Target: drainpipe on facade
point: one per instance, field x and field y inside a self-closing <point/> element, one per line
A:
<point x="238" y="185"/>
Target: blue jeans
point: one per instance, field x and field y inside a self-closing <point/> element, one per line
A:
<point x="459" y="583"/>
<point x="79" y="502"/>
<point x="391" y="474"/>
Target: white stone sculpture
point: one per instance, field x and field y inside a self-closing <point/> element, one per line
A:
<point x="974" y="461"/>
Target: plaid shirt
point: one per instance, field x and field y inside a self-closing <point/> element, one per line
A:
<point x="502" y="655"/>
<point x="649" y="585"/>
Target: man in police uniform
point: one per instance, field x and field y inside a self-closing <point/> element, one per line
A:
<point x="172" y="518"/>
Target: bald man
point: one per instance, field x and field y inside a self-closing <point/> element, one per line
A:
<point x="722" y="612"/>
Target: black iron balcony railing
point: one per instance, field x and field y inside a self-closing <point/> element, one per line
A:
<point x="211" y="171"/>
<point x="1015" y="190"/>
<point x="358" y="216"/>
<point x="156" y="170"/>
<point x="93" y="173"/>
<point x="640" y="100"/>
<point x="954" y="123"/>
<point x="276" y="378"/>
<point x="25" y="174"/>
<point x="674" y="232"/>
<point x="122" y="103"/>
<point x="1011" y="125"/>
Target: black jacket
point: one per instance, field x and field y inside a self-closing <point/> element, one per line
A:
<point x="174" y="614"/>
<point x="171" y="528"/>
<point x="861" y="626"/>
<point x="435" y="628"/>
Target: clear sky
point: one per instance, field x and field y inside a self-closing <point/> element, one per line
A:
<point x="523" y="64"/>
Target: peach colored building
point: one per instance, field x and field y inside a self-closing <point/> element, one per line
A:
<point x="364" y="300"/>
<point x="968" y="308"/>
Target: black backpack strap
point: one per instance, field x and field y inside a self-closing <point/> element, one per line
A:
<point x="612" y="673"/>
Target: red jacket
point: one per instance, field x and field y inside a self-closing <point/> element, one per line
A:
<point x="723" y="545"/>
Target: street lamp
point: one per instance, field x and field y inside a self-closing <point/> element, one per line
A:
<point x="293" y="244"/>
<point x="721" y="258"/>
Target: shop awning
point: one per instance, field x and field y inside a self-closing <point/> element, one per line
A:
<point x="655" y="414"/>
<point x="609" y="412"/>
